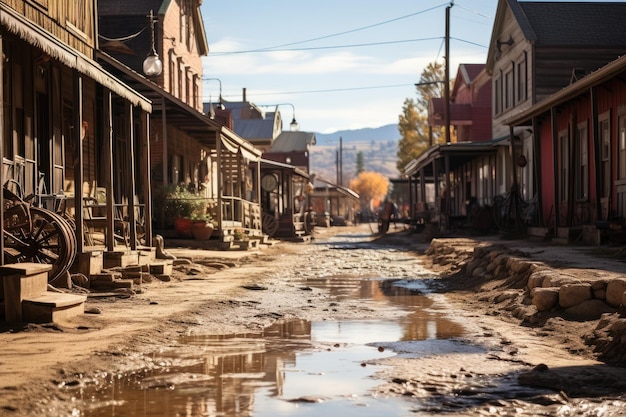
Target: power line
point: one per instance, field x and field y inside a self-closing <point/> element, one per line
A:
<point x="333" y="90"/>
<point x="273" y="48"/>
<point x="313" y="48"/>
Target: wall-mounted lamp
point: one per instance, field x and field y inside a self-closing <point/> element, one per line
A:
<point x="508" y="42"/>
<point x="152" y="65"/>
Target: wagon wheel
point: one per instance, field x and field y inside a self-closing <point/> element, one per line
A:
<point x="49" y="239"/>
<point x="270" y="225"/>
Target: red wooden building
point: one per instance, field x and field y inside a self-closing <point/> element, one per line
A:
<point x="580" y="138"/>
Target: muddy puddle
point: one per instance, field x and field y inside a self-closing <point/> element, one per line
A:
<point x="295" y="367"/>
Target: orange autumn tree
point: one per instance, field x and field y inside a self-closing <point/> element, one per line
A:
<point x="370" y="186"/>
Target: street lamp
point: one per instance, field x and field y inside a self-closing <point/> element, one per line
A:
<point x="293" y="126"/>
<point x="152" y="65"/>
<point x="220" y="103"/>
<point x="446" y="109"/>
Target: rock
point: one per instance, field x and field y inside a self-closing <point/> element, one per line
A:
<point x="537" y="277"/>
<point x="573" y="294"/>
<point x="615" y="292"/>
<point x="478" y="272"/>
<point x="588" y="310"/>
<point x="506" y="295"/>
<point x="518" y="265"/>
<point x="80" y="280"/>
<point x="599" y="294"/>
<point x="545" y="298"/>
<point x="557" y="279"/>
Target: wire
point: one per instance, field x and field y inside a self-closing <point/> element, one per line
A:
<point x="124" y="38"/>
<point x="273" y="48"/>
<point x="333" y="90"/>
<point x="313" y="48"/>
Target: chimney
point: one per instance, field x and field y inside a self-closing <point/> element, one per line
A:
<point x="244" y="94"/>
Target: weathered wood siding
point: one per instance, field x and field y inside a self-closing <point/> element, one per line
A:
<point x="63" y="19"/>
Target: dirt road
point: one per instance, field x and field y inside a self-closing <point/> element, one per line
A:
<point x="244" y="292"/>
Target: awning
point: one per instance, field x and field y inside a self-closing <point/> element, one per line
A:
<point x="38" y="37"/>
<point x="180" y="114"/>
<point x="237" y="145"/>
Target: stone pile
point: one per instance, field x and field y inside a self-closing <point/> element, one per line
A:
<point x="539" y="288"/>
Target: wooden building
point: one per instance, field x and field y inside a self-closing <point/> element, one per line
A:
<point x="285" y="201"/>
<point x="188" y="147"/>
<point x="334" y="204"/>
<point x="536" y="49"/>
<point x="449" y="178"/>
<point x="72" y="134"/>
<point x="580" y="135"/>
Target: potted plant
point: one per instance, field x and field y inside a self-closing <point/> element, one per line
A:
<point x="240" y="234"/>
<point x="182" y="206"/>
<point x="202" y="226"/>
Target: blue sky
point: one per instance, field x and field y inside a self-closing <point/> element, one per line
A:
<point x="316" y="65"/>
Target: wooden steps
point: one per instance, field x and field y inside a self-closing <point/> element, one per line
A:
<point x="52" y="307"/>
<point x="26" y="296"/>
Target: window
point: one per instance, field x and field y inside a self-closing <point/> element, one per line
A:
<point x="181" y="77"/>
<point x="521" y="79"/>
<point x="497" y="97"/>
<point x="605" y="157"/>
<point x="564" y="165"/>
<point x="196" y="91"/>
<point x="188" y="89"/>
<point x="172" y="73"/>
<point x="78" y="14"/>
<point x="582" y="162"/>
<point x="508" y="89"/>
<point x="621" y="149"/>
<point x="185" y="22"/>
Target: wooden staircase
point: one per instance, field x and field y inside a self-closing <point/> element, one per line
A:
<point x="24" y="288"/>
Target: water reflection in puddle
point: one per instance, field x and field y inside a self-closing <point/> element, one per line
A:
<point x="294" y="368"/>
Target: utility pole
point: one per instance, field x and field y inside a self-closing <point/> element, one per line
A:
<point x="447" y="76"/>
<point x="339" y="161"/>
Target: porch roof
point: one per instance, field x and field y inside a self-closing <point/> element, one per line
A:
<point x="266" y="164"/>
<point x="458" y="154"/>
<point x="178" y="113"/>
<point x="323" y="186"/>
<point x="38" y="37"/>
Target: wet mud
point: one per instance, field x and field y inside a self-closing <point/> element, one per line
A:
<point x="344" y="326"/>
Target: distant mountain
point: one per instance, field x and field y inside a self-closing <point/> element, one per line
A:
<point x="387" y="132"/>
<point x="379" y="147"/>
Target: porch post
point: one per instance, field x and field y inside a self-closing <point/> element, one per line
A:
<point x="108" y="162"/>
<point x="422" y="196"/>
<point x="2" y="146"/>
<point x="537" y="169"/>
<point x="512" y="157"/>
<point x="597" y="150"/>
<point x="78" y="160"/>
<point x="165" y="156"/>
<point x="220" y="190"/>
<point x="145" y="181"/>
<point x="131" y="189"/>
<point x="555" y="168"/>
<point x="447" y="193"/>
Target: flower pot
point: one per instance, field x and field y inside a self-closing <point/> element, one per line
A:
<point x="182" y="226"/>
<point x="202" y="230"/>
